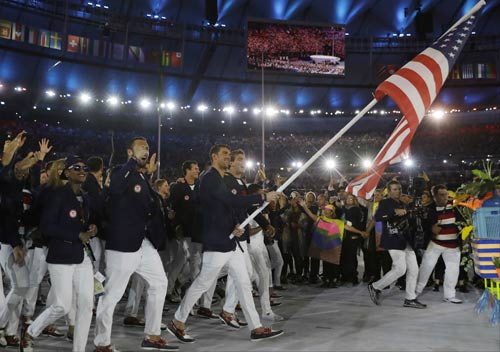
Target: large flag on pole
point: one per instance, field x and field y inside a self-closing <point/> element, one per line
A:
<point x="413" y="88"/>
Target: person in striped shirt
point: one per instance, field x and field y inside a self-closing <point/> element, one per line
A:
<point x="445" y="242"/>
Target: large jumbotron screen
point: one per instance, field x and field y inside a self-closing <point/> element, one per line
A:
<point x="295" y="47"/>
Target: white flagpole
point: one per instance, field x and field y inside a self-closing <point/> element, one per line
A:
<point x="472" y="11"/>
<point x="312" y="160"/>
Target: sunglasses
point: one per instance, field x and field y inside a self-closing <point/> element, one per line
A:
<point x="79" y="168"/>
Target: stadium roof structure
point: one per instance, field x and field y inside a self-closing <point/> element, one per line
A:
<point x="209" y="38"/>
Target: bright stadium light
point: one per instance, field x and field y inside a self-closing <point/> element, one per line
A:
<point x="144" y="103"/>
<point x="330" y="164"/>
<point x="367" y="163"/>
<point x="85" y="97"/>
<point x="256" y="111"/>
<point x="202" y="108"/>
<point x="438" y="114"/>
<point x="229" y="109"/>
<point x="299" y="164"/>
<point x="409" y="163"/>
<point x="249" y="164"/>
<point x="112" y="101"/>
<point x="50" y="93"/>
<point x="170" y="105"/>
<point x="271" y="111"/>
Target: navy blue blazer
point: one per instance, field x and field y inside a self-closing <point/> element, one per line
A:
<point x="392" y="237"/>
<point x="135" y="211"/>
<point x="218" y="205"/>
<point x="63" y="218"/>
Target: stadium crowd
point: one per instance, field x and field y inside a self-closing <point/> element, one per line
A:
<point x="73" y="206"/>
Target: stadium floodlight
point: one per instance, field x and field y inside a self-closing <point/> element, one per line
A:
<point x="367" y="163"/>
<point x="249" y="164"/>
<point x="50" y="93"/>
<point x="409" y="162"/>
<point x="271" y="111"/>
<point x="144" y="103"/>
<point x="299" y="164"/>
<point x="256" y="111"/>
<point x="170" y="105"/>
<point x="330" y="164"/>
<point x="202" y="108"/>
<point x="85" y="97"/>
<point x="112" y="101"/>
<point x="438" y="114"/>
<point x="294" y="164"/>
<point x="229" y="109"/>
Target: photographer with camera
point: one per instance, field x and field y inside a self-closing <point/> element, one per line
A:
<point x="395" y="226"/>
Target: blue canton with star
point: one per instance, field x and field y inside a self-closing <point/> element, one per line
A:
<point x="452" y="43"/>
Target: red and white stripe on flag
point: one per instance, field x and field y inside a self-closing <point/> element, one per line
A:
<point x="413" y="88"/>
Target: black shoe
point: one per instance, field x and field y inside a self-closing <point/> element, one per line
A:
<point x="463" y="288"/>
<point x="413" y="303"/>
<point x="355" y="282"/>
<point x="333" y="284"/>
<point x="374" y="294"/>
<point x="313" y="280"/>
<point x="133" y="321"/>
<point x="435" y="288"/>
<point x="280" y="288"/>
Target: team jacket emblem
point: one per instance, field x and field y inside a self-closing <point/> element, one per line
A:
<point x="72" y="213"/>
<point x="234" y="191"/>
<point x="137" y="188"/>
<point x="186" y="197"/>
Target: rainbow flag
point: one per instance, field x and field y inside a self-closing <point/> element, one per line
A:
<point x="326" y="243"/>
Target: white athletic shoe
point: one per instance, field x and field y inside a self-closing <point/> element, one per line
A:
<point x="272" y="316"/>
<point x="453" y="300"/>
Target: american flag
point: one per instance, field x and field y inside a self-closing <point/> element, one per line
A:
<point x="413" y="88"/>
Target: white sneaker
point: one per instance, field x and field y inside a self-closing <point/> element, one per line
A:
<point x="3" y="341"/>
<point x="453" y="300"/>
<point x="272" y="316"/>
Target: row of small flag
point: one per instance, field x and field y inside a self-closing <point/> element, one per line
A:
<point x="459" y="71"/>
<point x="474" y="71"/>
<point x="87" y="46"/>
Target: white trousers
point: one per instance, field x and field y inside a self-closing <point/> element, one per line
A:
<point x="195" y="256"/>
<point x="67" y="280"/>
<point x="276" y="262"/>
<point x="261" y="264"/>
<point x="179" y="254"/>
<point x="98" y="247"/>
<point x="213" y="262"/>
<point x="3" y="302"/>
<point x="403" y="261"/>
<point x="451" y="257"/>
<point x="134" y="296"/>
<point x="120" y="266"/>
<point x="19" y="281"/>
<point x="37" y="267"/>
<point x="231" y="292"/>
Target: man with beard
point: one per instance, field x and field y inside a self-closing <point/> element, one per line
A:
<point x="136" y="230"/>
<point x="218" y="206"/>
